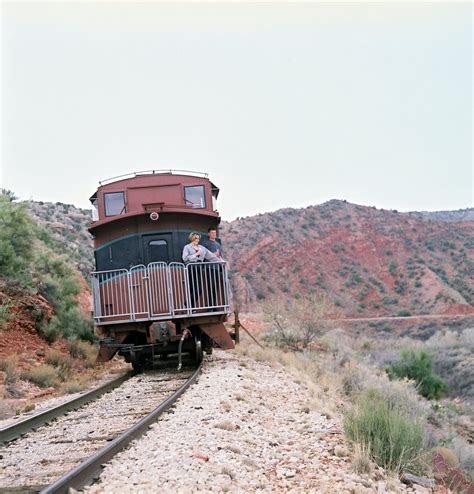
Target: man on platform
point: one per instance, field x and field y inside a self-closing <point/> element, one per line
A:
<point x="212" y="244"/>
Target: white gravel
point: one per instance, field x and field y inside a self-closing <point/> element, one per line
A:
<point x="40" y="457"/>
<point x="244" y="427"/>
<point x="46" y="404"/>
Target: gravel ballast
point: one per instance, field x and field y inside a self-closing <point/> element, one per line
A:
<point x="243" y="427"/>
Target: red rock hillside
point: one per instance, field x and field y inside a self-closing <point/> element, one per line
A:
<point x="369" y="262"/>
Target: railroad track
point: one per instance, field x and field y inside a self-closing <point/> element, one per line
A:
<point x="70" y="449"/>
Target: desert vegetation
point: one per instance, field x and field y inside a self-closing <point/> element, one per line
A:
<point x="29" y="263"/>
<point x="41" y="322"/>
<point x="385" y="391"/>
<point x="417" y="365"/>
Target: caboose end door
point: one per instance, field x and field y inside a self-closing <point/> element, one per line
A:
<point x="157" y="248"/>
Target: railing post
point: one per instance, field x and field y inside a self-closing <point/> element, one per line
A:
<point x="187" y="289"/>
<point x="170" y="290"/>
<point x="145" y="280"/>
<point x="130" y="296"/>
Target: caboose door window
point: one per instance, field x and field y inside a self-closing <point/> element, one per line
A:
<point x="157" y="248"/>
<point x="194" y="196"/>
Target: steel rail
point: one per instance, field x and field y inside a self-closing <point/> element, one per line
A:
<point x="90" y="468"/>
<point x="19" y="428"/>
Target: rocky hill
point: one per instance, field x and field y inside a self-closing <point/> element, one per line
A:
<point x="368" y="262"/>
<point x="67" y="228"/>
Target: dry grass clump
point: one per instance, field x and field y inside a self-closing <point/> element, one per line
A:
<point x="84" y="350"/>
<point x="57" y="358"/>
<point x="5" y="315"/>
<point x="29" y="407"/>
<point x="72" y="387"/>
<point x="9" y="366"/>
<point x="226" y="425"/>
<point x="6" y="409"/>
<point x="340" y="451"/>
<point x="62" y="363"/>
<point x="448" y="455"/>
<point x="44" y="376"/>
<point x="361" y="461"/>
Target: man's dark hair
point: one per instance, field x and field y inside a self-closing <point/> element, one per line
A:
<point x="211" y="228"/>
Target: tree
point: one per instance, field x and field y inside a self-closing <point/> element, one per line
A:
<point x="297" y="323"/>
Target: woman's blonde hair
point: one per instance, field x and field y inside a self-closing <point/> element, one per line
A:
<point x="193" y="235"/>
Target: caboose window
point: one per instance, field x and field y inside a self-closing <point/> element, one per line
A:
<point x="114" y="203"/>
<point x="194" y="196"/>
<point x="95" y="210"/>
<point x="158" y="250"/>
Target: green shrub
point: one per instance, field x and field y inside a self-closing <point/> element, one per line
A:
<point x="404" y="313"/>
<point x="69" y="323"/>
<point x="392" y="268"/>
<point x="418" y="365"/>
<point x="393" y="440"/>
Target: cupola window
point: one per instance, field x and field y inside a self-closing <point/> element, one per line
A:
<point x="194" y="196"/>
<point x="114" y="203"/>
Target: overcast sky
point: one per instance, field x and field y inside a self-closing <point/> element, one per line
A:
<point x="282" y="104"/>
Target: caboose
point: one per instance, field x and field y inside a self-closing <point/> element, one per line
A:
<point x="147" y="303"/>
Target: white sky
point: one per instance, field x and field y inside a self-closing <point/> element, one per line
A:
<point x="282" y="104"/>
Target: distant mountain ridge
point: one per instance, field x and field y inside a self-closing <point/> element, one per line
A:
<point x="366" y="261"/>
<point x="457" y="215"/>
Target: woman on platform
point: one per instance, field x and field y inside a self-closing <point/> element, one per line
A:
<point x="199" y="274"/>
<point x="193" y="252"/>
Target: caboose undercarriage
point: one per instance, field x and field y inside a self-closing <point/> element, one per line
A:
<point x="150" y="312"/>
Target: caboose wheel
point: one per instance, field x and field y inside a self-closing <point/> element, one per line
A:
<point x="136" y="361"/>
<point x="198" y="355"/>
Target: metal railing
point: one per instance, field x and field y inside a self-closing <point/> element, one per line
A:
<point x="160" y="291"/>
<point x="153" y="172"/>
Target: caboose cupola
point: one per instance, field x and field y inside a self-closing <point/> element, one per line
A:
<point x="153" y="191"/>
